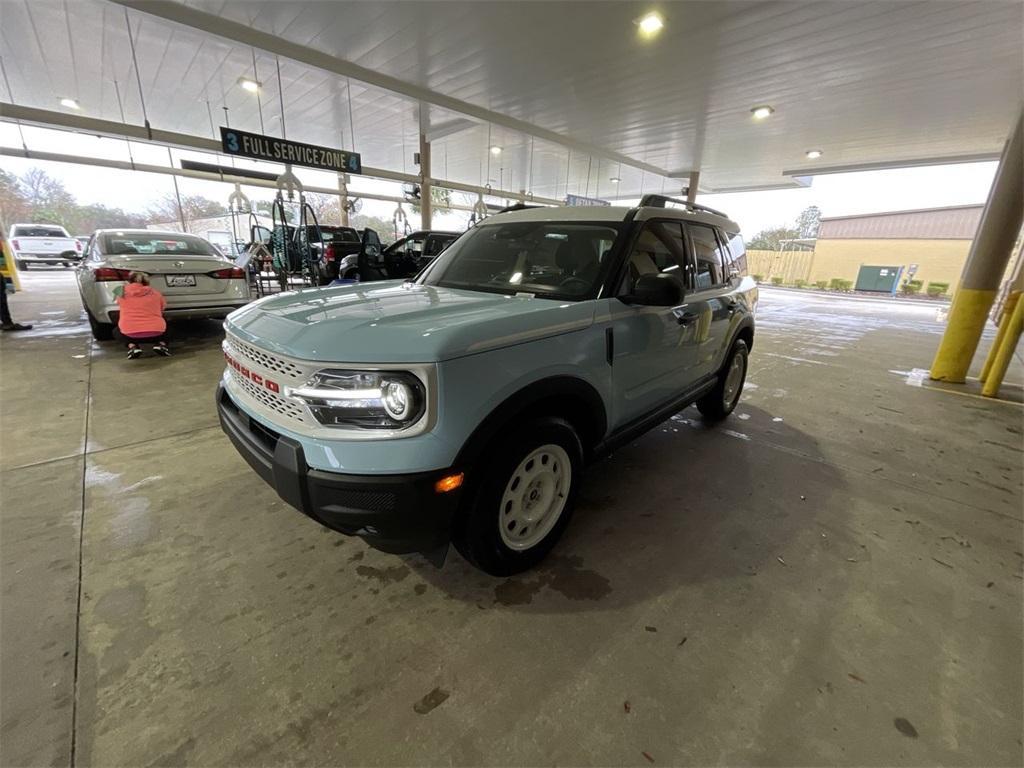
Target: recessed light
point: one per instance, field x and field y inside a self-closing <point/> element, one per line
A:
<point x="761" y="112"/>
<point x="70" y="103"/>
<point x="495" y="151"/>
<point x="813" y="154"/>
<point x="614" y="179"/>
<point x="249" y="84"/>
<point x="650" y="24"/>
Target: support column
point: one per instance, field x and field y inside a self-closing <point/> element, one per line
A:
<point x="343" y="198"/>
<point x="691" y="191"/>
<point x="986" y="263"/>
<point x="426" y="202"/>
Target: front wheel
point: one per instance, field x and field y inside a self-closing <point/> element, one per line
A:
<point x="524" y="498"/>
<point x="725" y="395"/>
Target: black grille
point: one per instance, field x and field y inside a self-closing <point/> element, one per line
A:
<point x="362" y="501"/>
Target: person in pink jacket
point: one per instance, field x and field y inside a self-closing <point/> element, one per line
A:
<point x="142" y="316"/>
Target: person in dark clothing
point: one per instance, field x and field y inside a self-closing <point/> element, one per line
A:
<point x="6" y="321"/>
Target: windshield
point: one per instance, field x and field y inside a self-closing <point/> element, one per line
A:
<point x="38" y="232"/>
<point x="551" y="259"/>
<point x="126" y="243"/>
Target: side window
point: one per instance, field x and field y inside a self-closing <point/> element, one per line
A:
<point x="707" y="255"/>
<point x="659" y="248"/>
<point x="736" y="256"/>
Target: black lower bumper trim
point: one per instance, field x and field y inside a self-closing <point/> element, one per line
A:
<point x="394" y="513"/>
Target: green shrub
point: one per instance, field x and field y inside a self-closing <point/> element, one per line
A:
<point x="800" y="283"/>
<point x="822" y="284"/>
<point x="937" y="289"/>
<point x="911" y="287"/>
<point x="839" y="284"/>
<point x="776" y="281"/>
<point x="758" y="278"/>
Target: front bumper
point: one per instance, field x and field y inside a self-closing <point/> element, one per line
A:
<point x="393" y="513"/>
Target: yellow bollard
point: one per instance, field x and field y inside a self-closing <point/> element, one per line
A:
<point x="1004" y="323"/>
<point x="1014" y="325"/>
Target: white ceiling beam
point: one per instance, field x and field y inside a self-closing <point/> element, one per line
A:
<point x="450" y="128"/>
<point x="209" y="23"/>
<point x="891" y="164"/>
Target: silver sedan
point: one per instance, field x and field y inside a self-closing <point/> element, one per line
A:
<point x="193" y="276"/>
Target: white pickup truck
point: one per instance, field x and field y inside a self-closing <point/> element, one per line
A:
<point x="43" y="244"/>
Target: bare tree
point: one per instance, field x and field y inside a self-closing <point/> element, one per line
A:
<point x="193" y="207"/>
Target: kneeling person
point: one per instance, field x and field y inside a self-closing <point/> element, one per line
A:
<point x="142" y="316"/>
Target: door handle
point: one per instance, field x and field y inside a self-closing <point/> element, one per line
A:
<point x="683" y="317"/>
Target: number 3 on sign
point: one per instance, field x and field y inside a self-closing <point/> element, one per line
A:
<point x="232" y="140"/>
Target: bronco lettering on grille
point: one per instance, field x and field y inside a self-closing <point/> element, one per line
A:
<point x="255" y="378"/>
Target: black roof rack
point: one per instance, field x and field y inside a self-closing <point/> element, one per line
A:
<point x="662" y="201"/>
<point x="518" y="207"/>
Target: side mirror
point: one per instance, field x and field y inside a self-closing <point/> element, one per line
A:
<point x="657" y="289"/>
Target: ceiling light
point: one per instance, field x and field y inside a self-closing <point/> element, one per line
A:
<point x="614" y="179"/>
<point x="495" y="151"/>
<point x="761" y="112"/>
<point x="651" y="24"/>
<point x="70" y="103"/>
<point x="249" y="84"/>
<point x="813" y="154"/>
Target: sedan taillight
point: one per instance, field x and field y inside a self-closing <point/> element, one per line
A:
<point x="15" y="244"/>
<point x="230" y="273"/>
<point x="110" y="275"/>
<point x="78" y="245"/>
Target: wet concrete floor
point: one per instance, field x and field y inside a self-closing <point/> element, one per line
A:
<point x="831" y="577"/>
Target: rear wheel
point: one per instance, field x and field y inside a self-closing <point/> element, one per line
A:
<point x="100" y="331"/>
<point x="524" y="498"/>
<point x="723" y="398"/>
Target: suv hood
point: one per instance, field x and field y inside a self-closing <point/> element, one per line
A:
<point x="393" y="322"/>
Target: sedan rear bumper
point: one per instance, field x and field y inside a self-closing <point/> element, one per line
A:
<point x="182" y="313"/>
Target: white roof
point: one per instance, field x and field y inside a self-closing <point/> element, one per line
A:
<point x="569" y="91"/>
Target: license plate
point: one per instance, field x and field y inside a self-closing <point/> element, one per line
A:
<point x="180" y="281"/>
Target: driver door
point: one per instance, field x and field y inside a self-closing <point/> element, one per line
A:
<point x="652" y="346"/>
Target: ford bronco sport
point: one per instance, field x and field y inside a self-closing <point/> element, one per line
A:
<point x="462" y="405"/>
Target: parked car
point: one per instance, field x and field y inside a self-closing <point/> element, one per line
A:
<point x="43" y="244"/>
<point x="193" y="276"/>
<point x="338" y="243"/>
<point x="462" y="406"/>
<point x="402" y="259"/>
<point x="408" y="256"/>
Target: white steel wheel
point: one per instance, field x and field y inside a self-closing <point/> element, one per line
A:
<point x="733" y="381"/>
<point x="535" y="497"/>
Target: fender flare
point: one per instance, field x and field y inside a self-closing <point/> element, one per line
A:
<point x="531" y="395"/>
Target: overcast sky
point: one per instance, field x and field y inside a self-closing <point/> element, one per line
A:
<point x="836" y="195"/>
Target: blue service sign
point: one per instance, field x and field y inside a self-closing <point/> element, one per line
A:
<point x="577" y="200"/>
<point x="274" y="150"/>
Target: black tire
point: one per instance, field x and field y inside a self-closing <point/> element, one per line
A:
<point x="717" y="404"/>
<point x="100" y="331"/>
<point x="478" y="531"/>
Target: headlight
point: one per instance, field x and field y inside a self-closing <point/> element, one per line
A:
<point x="363" y="399"/>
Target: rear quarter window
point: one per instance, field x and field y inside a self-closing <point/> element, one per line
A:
<point x="736" y="254"/>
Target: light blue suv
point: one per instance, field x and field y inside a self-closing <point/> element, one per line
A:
<point x="461" y="406"/>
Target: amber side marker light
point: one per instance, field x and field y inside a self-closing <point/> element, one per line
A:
<point x="449" y="483"/>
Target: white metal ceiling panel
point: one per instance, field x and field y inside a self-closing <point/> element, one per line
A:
<point x="865" y="82"/>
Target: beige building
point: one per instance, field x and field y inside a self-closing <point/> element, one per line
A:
<point x="937" y="240"/>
